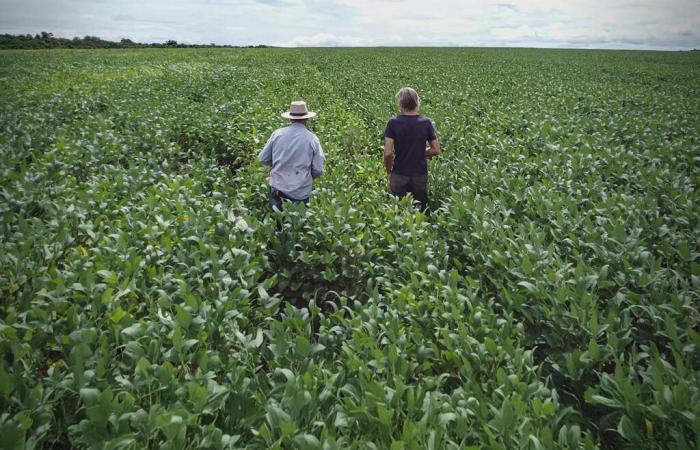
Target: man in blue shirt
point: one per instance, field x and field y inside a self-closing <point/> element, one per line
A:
<point x="405" y="151"/>
<point x="296" y="157"/>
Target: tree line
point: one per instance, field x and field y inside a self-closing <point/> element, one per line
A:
<point x="45" y="40"/>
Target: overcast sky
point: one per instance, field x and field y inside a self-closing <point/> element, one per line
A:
<point x="633" y="24"/>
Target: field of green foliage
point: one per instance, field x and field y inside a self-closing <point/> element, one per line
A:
<point x="551" y="299"/>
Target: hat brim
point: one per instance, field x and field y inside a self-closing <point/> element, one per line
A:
<point x="308" y="115"/>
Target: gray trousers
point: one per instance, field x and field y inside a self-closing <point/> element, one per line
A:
<point x="417" y="186"/>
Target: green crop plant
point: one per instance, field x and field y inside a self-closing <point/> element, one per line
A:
<point x="549" y="300"/>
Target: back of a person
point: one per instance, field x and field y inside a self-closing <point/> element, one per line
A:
<point x="406" y="150"/>
<point x="291" y="164"/>
<point x="411" y="132"/>
<point x="296" y="157"/>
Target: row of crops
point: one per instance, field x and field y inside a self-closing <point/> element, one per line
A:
<point x="550" y="300"/>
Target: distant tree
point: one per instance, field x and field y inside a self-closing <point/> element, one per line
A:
<point x="47" y="40"/>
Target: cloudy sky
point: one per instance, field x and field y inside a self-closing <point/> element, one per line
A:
<point x="633" y="24"/>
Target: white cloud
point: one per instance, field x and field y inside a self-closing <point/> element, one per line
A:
<point x="662" y="24"/>
<point x="520" y="33"/>
<point x="548" y="23"/>
<point x="325" y="40"/>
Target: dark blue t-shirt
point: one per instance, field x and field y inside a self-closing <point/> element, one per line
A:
<point x="410" y="134"/>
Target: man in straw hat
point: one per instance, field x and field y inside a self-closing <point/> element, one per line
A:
<point x="296" y="157"/>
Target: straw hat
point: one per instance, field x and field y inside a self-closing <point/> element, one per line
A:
<point x="297" y="110"/>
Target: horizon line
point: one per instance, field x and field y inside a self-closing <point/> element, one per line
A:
<point x="504" y="46"/>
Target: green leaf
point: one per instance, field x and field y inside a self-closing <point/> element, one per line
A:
<point x="107" y="296"/>
<point x="527" y="265"/>
<point x="446" y="418"/>
<point x="117" y="315"/>
<point x="143" y="365"/>
<point x="90" y="396"/>
<point x="531" y="288"/>
<point x="134" y="331"/>
<point x="548" y="408"/>
<point x="574" y="436"/>
<point x="341" y="420"/>
<point x="593" y="349"/>
<point x="121" y="443"/>
<point x="384" y="414"/>
<point x="491" y="346"/>
<point x="277" y="415"/>
<point x="257" y="342"/>
<point x="283" y="375"/>
<point x="12" y="437"/>
<point x="397" y="445"/>
<point x="610" y="403"/>
<point x="536" y="444"/>
<point x="303" y="346"/>
<point x="6" y="383"/>
<point x="197" y="394"/>
<point x="306" y="442"/>
<point x="626" y="429"/>
<point x="183" y="317"/>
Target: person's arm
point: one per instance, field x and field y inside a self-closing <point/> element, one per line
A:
<point x="317" y="161"/>
<point x="388" y="154"/>
<point x="434" y="148"/>
<point x="265" y="155"/>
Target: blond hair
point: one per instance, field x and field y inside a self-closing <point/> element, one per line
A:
<point x="408" y="99"/>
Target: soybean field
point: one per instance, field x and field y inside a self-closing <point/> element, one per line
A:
<point x="549" y="300"/>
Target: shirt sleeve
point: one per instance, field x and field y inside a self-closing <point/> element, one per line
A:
<point x="389" y="131"/>
<point x="265" y="155"/>
<point x="317" y="161"/>
<point x="431" y="131"/>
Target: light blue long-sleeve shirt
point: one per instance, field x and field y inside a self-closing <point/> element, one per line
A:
<point x="296" y="157"/>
